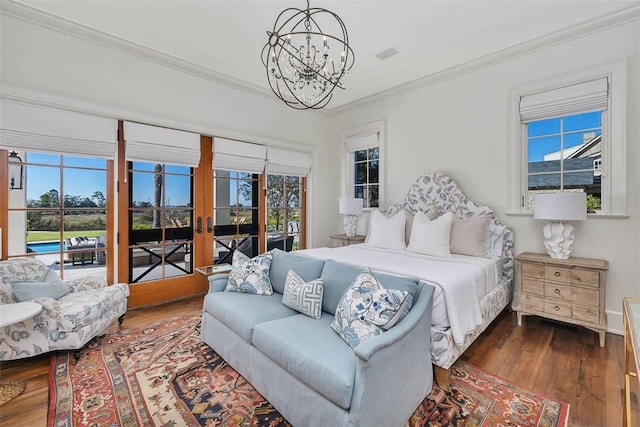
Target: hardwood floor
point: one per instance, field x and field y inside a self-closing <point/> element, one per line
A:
<point x="560" y="361"/>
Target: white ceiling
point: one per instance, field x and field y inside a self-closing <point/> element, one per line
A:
<point x="432" y="37"/>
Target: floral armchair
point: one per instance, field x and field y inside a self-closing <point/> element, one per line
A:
<point x="72" y="312"/>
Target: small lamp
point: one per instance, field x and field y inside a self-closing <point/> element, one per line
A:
<point x="15" y="171"/>
<point x="350" y="207"/>
<point x="558" y="207"/>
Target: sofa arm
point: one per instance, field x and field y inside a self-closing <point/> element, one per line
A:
<point x="86" y="283"/>
<point x="218" y="282"/>
<point x="50" y="315"/>
<point x="398" y="362"/>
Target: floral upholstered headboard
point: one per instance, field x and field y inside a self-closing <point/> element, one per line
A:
<point x="435" y="194"/>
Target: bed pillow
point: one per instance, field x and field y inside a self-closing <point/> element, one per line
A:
<point x="305" y="297"/>
<point x="367" y="309"/>
<point x="431" y="237"/>
<point x="387" y="232"/>
<point x="250" y="275"/>
<point x="468" y="236"/>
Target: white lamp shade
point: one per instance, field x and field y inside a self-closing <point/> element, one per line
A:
<point x="561" y="206"/>
<point x="350" y="206"/>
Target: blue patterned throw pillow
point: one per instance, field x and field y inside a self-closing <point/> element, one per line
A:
<point x="368" y="309"/>
<point x="305" y="297"/>
<point x="250" y="275"/>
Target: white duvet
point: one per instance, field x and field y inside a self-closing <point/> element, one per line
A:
<point x="460" y="281"/>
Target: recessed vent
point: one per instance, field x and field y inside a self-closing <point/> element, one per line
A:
<point x="387" y="53"/>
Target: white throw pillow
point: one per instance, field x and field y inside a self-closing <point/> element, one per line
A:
<point x="387" y="233"/>
<point x="431" y="237"/>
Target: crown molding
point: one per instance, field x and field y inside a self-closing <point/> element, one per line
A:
<point x="593" y="26"/>
<point x="44" y="19"/>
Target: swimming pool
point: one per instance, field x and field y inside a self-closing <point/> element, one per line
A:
<point x="44" y="247"/>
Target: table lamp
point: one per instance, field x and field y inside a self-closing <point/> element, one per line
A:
<point x="558" y="207"/>
<point x="350" y="207"/>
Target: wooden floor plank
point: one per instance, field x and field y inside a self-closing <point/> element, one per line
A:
<point x="561" y="362"/>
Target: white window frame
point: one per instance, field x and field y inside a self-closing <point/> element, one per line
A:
<point x="348" y="159"/>
<point x="614" y="162"/>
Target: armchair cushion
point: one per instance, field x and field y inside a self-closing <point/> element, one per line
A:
<point x="26" y="291"/>
<point x="79" y="309"/>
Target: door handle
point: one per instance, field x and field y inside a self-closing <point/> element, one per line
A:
<point x="209" y="224"/>
<point x="199" y="225"/>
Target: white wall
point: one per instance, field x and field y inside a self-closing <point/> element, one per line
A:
<point x="460" y="127"/>
<point x="72" y="72"/>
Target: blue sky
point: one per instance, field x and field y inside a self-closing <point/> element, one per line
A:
<point x="544" y="135"/>
<point x="84" y="182"/>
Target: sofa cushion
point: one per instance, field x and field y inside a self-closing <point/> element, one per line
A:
<point x="309" y="350"/>
<point x="368" y="309"/>
<point x="78" y="309"/>
<point x="305" y="267"/>
<point x="337" y="277"/>
<point x="305" y="297"/>
<point x="250" y="275"/>
<point x="242" y="312"/>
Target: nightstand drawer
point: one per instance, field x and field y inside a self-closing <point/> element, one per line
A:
<point x="586" y="313"/>
<point x="336" y="243"/>
<point x="586" y="296"/>
<point x="558" y="308"/>
<point x="553" y="290"/>
<point x="557" y="274"/>
<point x="585" y="277"/>
<point x="532" y="302"/>
<point x="534" y="287"/>
<point x="535" y="271"/>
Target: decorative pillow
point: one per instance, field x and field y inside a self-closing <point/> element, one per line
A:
<point x="250" y="275"/>
<point x="431" y="237"/>
<point x="468" y="235"/>
<point x="305" y="297"/>
<point x="387" y="233"/>
<point x="26" y="291"/>
<point x="494" y="239"/>
<point x="367" y="309"/>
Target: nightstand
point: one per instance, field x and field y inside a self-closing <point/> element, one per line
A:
<point x="338" y="240"/>
<point x="568" y="290"/>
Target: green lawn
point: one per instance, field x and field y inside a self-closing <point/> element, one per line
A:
<point x="40" y="236"/>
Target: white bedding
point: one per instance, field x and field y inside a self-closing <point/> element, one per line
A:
<point x="460" y="281"/>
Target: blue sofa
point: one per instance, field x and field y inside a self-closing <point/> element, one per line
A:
<point x="304" y="368"/>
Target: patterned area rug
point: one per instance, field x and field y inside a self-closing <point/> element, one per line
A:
<point x="162" y="375"/>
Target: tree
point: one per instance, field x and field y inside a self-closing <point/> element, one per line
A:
<point x="50" y="199"/>
<point x="98" y="196"/>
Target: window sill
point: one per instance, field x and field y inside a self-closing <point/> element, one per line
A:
<point x="589" y="216"/>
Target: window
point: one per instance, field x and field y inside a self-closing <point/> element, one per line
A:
<point x="364" y="153"/>
<point x="569" y="135"/>
<point x="60" y="216"/>
<point x="562" y="153"/>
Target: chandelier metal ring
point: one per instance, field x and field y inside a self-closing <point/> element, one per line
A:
<point x="298" y="56"/>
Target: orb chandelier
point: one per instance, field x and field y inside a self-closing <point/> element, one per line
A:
<point x="299" y="56"/>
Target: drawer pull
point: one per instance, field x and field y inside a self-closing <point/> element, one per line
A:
<point x="557" y="273"/>
<point x="557" y="291"/>
<point x="556" y="308"/>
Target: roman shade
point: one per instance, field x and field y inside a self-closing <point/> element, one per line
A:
<point x="238" y="156"/>
<point x="578" y="98"/>
<point x="51" y="130"/>
<point x="155" y="144"/>
<point x="287" y="162"/>
<point x="362" y="142"/>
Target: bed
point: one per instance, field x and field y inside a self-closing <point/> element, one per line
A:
<point x="470" y="290"/>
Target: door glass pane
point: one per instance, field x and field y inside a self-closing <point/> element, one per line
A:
<point x="161" y="221"/>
